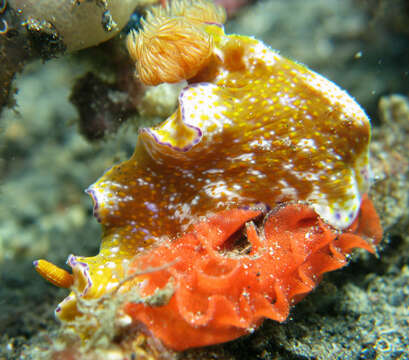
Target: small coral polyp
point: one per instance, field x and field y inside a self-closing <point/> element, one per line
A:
<point x="253" y="131"/>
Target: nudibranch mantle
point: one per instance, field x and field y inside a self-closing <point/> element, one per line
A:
<point x="253" y="129"/>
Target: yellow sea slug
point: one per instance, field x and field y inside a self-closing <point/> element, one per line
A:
<point x="253" y="129"/>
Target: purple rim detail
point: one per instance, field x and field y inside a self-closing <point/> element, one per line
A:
<point x="182" y="111"/>
<point x="35" y="263"/>
<point x="94" y="198"/>
<point x="84" y="268"/>
<point x="263" y="207"/>
<point x="365" y="173"/>
<point x="215" y="23"/>
<point x="61" y="304"/>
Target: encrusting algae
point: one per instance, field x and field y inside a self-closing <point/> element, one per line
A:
<point x="241" y="200"/>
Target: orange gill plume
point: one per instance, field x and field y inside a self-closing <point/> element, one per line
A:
<point x="173" y="46"/>
<point x="199" y="11"/>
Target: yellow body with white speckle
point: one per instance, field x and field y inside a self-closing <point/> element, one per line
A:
<point x="252" y="128"/>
